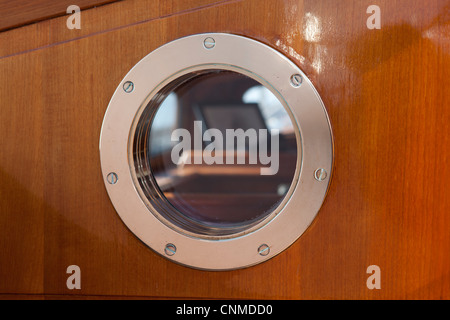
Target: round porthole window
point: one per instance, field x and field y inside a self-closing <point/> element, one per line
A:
<point x="216" y="151"/>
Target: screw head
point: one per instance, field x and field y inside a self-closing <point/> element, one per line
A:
<point x="320" y="174"/>
<point x="263" y="250"/>
<point x="170" y="249"/>
<point x="296" y="80"/>
<point x="209" y="43"/>
<point x="112" y="178"/>
<point x="128" y="87"/>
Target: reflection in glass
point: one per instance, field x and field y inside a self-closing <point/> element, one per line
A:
<point x="208" y="149"/>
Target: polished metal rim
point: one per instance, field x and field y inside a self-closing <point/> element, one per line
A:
<point x="274" y="233"/>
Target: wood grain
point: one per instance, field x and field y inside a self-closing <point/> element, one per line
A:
<point x="21" y="12"/>
<point x="387" y="98"/>
<point x="22" y="203"/>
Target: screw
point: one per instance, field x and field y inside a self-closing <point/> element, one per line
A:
<point x="112" y="178"/>
<point x="170" y="249"/>
<point x="296" y="80"/>
<point x="263" y="250"/>
<point x="209" y="43"/>
<point x="320" y="174"/>
<point x="128" y="87"/>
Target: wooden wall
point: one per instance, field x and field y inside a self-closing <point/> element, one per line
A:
<point x="387" y="95"/>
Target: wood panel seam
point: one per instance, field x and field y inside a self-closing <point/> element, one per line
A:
<point x="54" y="16"/>
<point x="183" y="12"/>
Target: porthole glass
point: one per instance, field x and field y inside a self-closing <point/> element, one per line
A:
<point x="215" y="152"/>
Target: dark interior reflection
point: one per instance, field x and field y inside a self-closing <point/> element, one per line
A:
<point x="221" y="195"/>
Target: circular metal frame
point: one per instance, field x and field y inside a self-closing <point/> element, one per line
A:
<point x="314" y="145"/>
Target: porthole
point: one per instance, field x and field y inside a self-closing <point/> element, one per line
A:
<point x="215" y="151"/>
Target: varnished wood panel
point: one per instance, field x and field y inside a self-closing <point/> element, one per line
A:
<point x="22" y="203"/>
<point x="21" y="297"/>
<point x="96" y="21"/>
<point x="386" y="95"/>
<point x="20" y="12"/>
